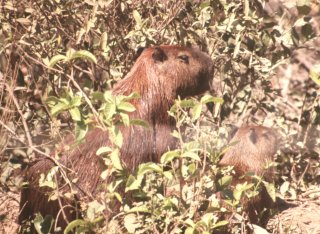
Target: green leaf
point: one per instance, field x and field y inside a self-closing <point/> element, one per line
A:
<point x="270" y="189"/>
<point x="76" y="101"/>
<point x="75" y="223"/>
<point x="125" y="119"/>
<point x="99" y="96"/>
<point x="108" y="96"/>
<point x="139" y="122"/>
<point x="190" y="222"/>
<point x="192" y="168"/>
<point x="81" y="130"/>
<point x="190" y="230"/>
<point x="168" y="175"/>
<point x="196" y="111"/>
<point x="208" y="98"/>
<point x="240" y="188"/>
<point x="58" y="108"/>
<point x="139" y="209"/>
<point x="225" y="181"/>
<point x="220" y="224"/>
<point x="43" y="225"/>
<point x="48" y="180"/>
<point x="131" y="223"/>
<point x="116" y="136"/>
<point x="148" y="167"/>
<point x="103" y="150"/>
<point x="315" y="74"/>
<point x="169" y="156"/>
<point x="191" y="155"/>
<point x="75" y="114"/>
<point x="137" y="17"/>
<point x="237" y="193"/>
<point x="109" y="110"/>
<point x="83" y="54"/>
<point x="57" y="58"/>
<point x="52" y="100"/>
<point x="94" y="208"/>
<point x="133" y="183"/>
<point x="133" y="95"/>
<point x="115" y="159"/>
<point x="284" y="187"/>
<point x="187" y="103"/>
<point x="126" y="106"/>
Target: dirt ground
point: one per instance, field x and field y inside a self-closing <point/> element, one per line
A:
<point x="9" y="210"/>
<point x="304" y="218"/>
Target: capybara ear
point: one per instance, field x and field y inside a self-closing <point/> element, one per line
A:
<point x="159" y="55"/>
<point x="138" y="52"/>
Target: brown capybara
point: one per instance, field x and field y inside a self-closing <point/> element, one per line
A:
<point x="252" y="150"/>
<point x="159" y="76"/>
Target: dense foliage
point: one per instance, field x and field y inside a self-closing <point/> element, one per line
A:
<point x="58" y="59"/>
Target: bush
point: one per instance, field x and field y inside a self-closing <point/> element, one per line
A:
<point x="58" y="58"/>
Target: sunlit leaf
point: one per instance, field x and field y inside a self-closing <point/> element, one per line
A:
<point x="103" y="150"/>
<point x="115" y="159"/>
<point x="126" y="106"/>
<point x="75" y="114"/>
<point x="196" y="111"/>
<point x="208" y="98"/>
<point x="137" y="17"/>
<point x="84" y="54"/>
<point x="149" y="167"/>
<point x="315" y="74"/>
<point x="133" y="183"/>
<point x="169" y="156"/>
<point x="81" y="130"/>
<point x="48" y="180"/>
<point x="75" y="224"/>
<point x="139" y="122"/>
<point x="57" y="58"/>
<point x="43" y="225"/>
<point x="191" y="155"/>
<point x="270" y="189"/>
<point x="94" y="208"/>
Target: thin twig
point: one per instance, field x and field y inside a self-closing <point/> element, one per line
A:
<point x="25" y="125"/>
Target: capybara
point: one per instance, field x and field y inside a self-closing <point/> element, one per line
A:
<point x="159" y="76"/>
<point x="252" y="150"/>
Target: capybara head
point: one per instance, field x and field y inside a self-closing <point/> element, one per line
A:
<point x="252" y="148"/>
<point x="168" y="72"/>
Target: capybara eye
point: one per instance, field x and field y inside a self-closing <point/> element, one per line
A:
<point x="184" y="58"/>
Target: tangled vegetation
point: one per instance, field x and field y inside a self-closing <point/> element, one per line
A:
<point x="59" y="59"/>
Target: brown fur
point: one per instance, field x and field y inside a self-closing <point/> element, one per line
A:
<point x="160" y="75"/>
<point x="254" y="148"/>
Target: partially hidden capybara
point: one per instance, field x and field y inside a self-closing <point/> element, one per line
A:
<point x="160" y="75"/>
<point x="252" y="150"/>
